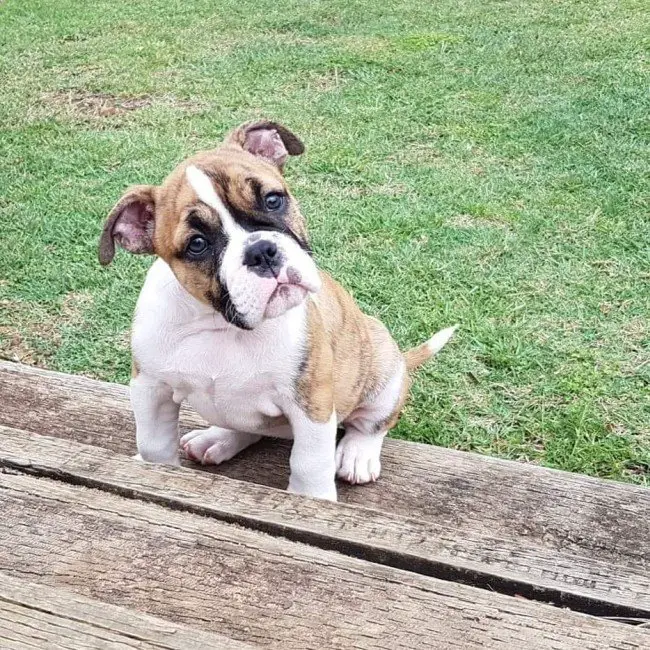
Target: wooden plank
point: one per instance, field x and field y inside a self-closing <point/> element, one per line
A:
<point x="35" y="616"/>
<point x="260" y="589"/>
<point x="413" y="544"/>
<point x="571" y="534"/>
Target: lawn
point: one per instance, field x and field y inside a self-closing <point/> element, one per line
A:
<point x="476" y="162"/>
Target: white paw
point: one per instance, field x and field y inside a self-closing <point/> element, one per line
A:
<point x="214" y="445"/>
<point x="357" y="457"/>
<point x="329" y="494"/>
<point x="174" y="460"/>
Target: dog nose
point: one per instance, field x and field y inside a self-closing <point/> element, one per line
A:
<point x="262" y="256"/>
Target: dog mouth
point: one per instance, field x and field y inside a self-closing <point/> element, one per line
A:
<point x="290" y="290"/>
<point x="283" y="298"/>
<point x="285" y="290"/>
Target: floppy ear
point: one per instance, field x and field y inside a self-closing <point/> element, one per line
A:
<point x="269" y="140"/>
<point x="130" y="224"/>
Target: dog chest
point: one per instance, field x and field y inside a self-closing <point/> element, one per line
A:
<point x="234" y="378"/>
<point x="231" y="385"/>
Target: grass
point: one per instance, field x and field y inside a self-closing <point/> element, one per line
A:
<point x="484" y="163"/>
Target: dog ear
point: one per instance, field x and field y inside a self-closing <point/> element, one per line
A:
<point x="269" y="140"/>
<point x="130" y="224"/>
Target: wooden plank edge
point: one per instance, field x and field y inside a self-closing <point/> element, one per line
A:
<point x="316" y="598"/>
<point x="118" y="623"/>
<point x="189" y="418"/>
<point x="291" y="517"/>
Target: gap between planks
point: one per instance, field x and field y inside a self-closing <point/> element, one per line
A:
<point x="408" y="544"/>
<point x="262" y="589"/>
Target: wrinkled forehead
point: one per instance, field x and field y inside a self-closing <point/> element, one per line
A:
<point x="223" y="193"/>
<point x="233" y="176"/>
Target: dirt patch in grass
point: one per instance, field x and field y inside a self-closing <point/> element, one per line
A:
<point x="23" y="326"/>
<point x="28" y="332"/>
<point x="419" y="153"/>
<point x="635" y="330"/>
<point x="384" y="189"/>
<point x="74" y="305"/>
<point x="468" y="222"/>
<point x="329" y="81"/>
<point x="87" y="106"/>
<point x="91" y="105"/>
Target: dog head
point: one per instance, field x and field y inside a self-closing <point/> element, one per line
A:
<point x="227" y="225"/>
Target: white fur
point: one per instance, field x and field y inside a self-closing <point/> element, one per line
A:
<point x="215" y="445"/>
<point x="232" y="377"/>
<point x="204" y="189"/>
<point x="358" y="456"/>
<point x="235" y="379"/>
<point x="156" y="420"/>
<point x="312" y="455"/>
<point x="440" y="339"/>
<point x="254" y="296"/>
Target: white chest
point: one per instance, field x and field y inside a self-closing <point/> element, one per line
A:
<point x="233" y="378"/>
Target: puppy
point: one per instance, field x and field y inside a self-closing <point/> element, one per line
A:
<point x="235" y="318"/>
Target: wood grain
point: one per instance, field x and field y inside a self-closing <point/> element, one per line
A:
<point x="260" y="589"/>
<point x="403" y="542"/>
<point x="36" y="616"/>
<point x="568" y="536"/>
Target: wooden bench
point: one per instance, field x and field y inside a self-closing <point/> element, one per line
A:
<point x="447" y="550"/>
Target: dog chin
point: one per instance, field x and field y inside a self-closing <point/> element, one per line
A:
<point x="265" y="298"/>
<point x="284" y="298"/>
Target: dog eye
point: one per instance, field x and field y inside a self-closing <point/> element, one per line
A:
<point x="197" y="245"/>
<point x="273" y="201"/>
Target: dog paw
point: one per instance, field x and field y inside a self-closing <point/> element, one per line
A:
<point x="357" y="457"/>
<point x="174" y="460"/>
<point x="327" y="493"/>
<point x="214" y="445"/>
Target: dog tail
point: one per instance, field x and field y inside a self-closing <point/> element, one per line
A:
<point x="418" y="355"/>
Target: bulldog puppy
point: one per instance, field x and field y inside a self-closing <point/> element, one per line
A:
<point x="235" y="318"/>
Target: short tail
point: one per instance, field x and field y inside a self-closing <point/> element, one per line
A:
<point x="417" y="356"/>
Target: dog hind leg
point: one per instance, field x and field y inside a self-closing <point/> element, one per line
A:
<point x="358" y="456"/>
<point x="358" y="452"/>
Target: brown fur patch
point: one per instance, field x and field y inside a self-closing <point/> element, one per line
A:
<point x="362" y="354"/>
<point x="315" y="386"/>
<point x="415" y="357"/>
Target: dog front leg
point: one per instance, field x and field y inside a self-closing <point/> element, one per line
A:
<point x="156" y="420"/>
<point x="312" y="456"/>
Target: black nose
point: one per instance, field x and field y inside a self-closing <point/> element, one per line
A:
<point x="262" y="257"/>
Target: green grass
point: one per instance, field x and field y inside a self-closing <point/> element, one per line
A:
<point x="482" y="163"/>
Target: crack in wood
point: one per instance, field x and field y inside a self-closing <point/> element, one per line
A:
<point x="367" y="552"/>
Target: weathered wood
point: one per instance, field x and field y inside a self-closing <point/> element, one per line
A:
<point x="36" y="616"/>
<point x="416" y="545"/>
<point x="553" y="530"/>
<point x="261" y="589"/>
